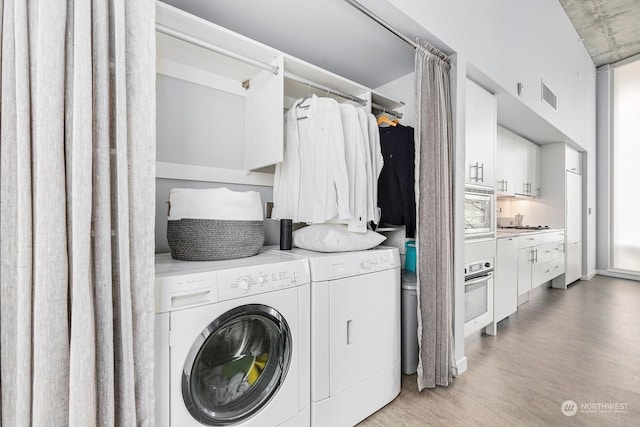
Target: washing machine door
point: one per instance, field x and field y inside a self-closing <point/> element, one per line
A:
<point x="236" y="365"/>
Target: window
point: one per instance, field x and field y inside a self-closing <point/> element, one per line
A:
<point x="625" y="169"/>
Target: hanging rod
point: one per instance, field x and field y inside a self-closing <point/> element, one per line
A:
<point x="382" y="22"/>
<point x="326" y="89"/>
<point x="217" y="49"/>
<point x="385" y="111"/>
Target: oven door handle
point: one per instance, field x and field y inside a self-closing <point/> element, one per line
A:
<point x="478" y="280"/>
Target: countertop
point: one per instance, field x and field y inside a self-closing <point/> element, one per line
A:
<point x="511" y="232"/>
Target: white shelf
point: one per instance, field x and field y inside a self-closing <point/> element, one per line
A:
<point x="208" y="174"/>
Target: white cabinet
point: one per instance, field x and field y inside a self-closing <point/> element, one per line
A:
<point x="518" y="162"/>
<point x="532" y="177"/>
<point x="574" y="262"/>
<point x="574" y="227"/>
<point x="572" y="161"/>
<point x="505" y="294"/>
<point x="525" y="267"/>
<point x="540" y="259"/>
<point x="480" y="130"/>
<point x="506" y="170"/>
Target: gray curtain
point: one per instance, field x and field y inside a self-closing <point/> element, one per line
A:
<point x="434" y="227"/>
<point x="77" y="156"/>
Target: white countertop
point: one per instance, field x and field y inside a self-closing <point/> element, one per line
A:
<point x="513" y="232"/>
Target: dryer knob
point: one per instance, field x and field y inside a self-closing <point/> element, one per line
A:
<point x="243" y="285"/>
<point x="261" y="279"/>
<point x="366" y="265"/>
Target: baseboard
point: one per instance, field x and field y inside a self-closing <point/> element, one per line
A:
<point x="462" y="365"/>
<point x="589" y="276"/>
<point x="619" y="275"/>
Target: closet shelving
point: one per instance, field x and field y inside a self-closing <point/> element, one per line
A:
<point x="197" y="51"/>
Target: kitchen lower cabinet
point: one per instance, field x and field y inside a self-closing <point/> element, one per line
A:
<point x="540" y="259"/>
<point x="525" y="270"/>
<point x="574" y="262"/>
<point x="505" y="293"/>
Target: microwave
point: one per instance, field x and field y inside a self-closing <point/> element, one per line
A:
<point x="479" y="212"/>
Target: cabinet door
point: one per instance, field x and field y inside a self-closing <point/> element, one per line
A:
<point x="505" y="294"/>
<point x="505" y="162"/>
<point x="525" y="256"/>
<point x="574" y="207"/>
<point x="520" y="156"/>
<point x="480" y="129"/>
<point x="572" y="160"/>
<point x="573" y="268"/>
<point x="533" y="168"/>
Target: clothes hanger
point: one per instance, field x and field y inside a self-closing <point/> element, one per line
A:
<point x="384" y="119"/>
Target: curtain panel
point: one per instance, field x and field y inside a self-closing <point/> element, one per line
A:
<point x="434" y="223"/>
<point x="77" y="168"/>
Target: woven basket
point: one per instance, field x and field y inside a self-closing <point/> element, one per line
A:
<point x="214" y="240"/>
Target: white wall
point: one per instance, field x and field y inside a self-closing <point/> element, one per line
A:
<point x="513" y="41"/>
<point x="604" y="86"/>
<point x="402" y="90"/>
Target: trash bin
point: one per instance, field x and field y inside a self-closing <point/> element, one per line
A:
<point x="409" y="328"/>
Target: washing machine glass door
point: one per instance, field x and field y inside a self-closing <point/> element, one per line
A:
<point x="236" y="365"/>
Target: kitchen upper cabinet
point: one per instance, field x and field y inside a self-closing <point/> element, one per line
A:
<point x="532" y="179"/>
<point x="572" y="161"/>
<point x="505" y="164"/>
<point x="518" y="165"/>
<point x="480" y="132"/>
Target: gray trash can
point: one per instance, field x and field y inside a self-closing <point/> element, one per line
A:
<point x="409" y="340"/>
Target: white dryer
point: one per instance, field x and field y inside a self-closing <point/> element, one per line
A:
<point x="355" y="333"/>
<point x="232" y="342"/>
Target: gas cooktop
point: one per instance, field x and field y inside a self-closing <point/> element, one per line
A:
<point x="525" y="227"/>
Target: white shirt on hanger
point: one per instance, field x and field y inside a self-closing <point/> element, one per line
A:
<point x="377" y="161"/>
<point x="356" y="159"/>
<point x="311" y="184"/>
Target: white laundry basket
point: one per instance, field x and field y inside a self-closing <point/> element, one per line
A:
<point x="214" y="224"/>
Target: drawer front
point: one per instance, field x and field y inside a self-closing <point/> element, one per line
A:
<point x="555" y="236"/>
<point x="549" y="252"/>
<point x="551" y="270"/>
<point x="527" y="241"/>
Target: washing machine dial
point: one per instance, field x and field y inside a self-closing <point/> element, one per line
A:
<point x="244" y="286"/>
<point x="366" y="265"/>
<point x="261" y="279"/>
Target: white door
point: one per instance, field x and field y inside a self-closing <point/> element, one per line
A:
<point x="365" y="327"/>
<point x="574" y="207"/>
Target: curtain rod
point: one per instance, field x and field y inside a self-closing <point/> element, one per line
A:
<point x="382" y="22"/>
<point x="327" y="89"/>
<point x="217" y="49"/>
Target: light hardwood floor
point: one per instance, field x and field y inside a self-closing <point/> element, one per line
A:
<point x="582" y="344"/>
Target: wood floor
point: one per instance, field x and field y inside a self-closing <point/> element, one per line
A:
<point x="582" y="344"/>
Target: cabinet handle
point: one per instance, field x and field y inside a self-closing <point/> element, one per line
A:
<point x="506" y="185"/>
<point x="531" y="256"/>
<point x="536" y="255"/>
<point x="471" y="167"/>
<point x="481" y="168"/>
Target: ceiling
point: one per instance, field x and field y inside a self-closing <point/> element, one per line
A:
<point x="610" y="29"/>
<point x="352" y="45"/>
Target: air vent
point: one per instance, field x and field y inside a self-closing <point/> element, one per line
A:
<point x="549" y="97"/>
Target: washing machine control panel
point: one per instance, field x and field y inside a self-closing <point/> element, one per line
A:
<point x="261" y="279"/>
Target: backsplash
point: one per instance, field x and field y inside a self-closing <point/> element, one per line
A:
<point x="534" y="212"/>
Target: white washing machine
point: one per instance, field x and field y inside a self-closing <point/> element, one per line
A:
<point x="355" y="333"/>
<point x="232" y="342"/>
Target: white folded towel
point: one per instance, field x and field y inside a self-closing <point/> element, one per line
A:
<point x="215" y="203"/>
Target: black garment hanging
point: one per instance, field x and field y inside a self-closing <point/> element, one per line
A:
<point x="396" y="194"/>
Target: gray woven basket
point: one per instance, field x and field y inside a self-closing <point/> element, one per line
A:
<point x="214" y="240"/>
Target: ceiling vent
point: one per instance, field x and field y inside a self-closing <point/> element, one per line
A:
<point x="549" y="97"/>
